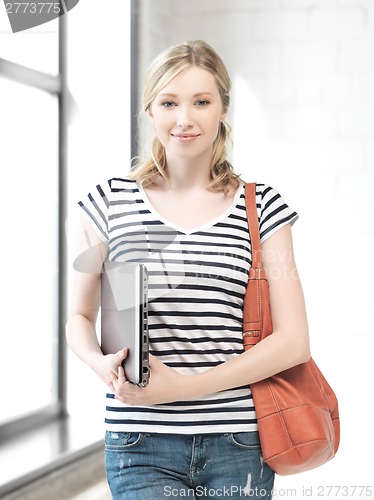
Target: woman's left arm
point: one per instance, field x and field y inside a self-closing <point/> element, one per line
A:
<point x="287" y="346"/>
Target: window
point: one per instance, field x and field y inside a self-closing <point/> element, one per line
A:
<point x="31" y="132"/>
<point x="29" y="253"/>
<point x="42" y="112"/>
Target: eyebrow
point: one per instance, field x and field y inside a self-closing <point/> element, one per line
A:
<point x="198" y="94"/>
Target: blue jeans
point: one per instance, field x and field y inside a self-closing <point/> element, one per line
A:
<point x="142" y="466"/>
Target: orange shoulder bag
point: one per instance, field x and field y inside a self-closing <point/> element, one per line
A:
<point x="297" y="411"/>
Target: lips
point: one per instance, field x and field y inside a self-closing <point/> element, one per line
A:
<point x="186" y="137"/>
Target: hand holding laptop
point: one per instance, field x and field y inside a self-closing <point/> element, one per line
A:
<point x="124" y="319"/>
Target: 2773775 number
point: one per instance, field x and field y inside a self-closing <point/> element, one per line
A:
<point x="33" y="8"/>
<point x="345" y="491"/>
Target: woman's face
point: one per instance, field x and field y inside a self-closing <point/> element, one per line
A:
<point x="186" y="114"/>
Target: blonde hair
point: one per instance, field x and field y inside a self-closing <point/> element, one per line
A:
<point x="162" y="70"/>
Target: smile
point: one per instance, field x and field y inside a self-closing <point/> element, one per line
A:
<point x="185" y="137"/>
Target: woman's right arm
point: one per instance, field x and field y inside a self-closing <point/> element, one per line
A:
<point x="81" y="325"/>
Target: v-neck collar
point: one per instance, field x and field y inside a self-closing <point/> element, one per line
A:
<point x="193" y="230"/>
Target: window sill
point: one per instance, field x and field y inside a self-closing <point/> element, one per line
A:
<point x="35" y="454"/>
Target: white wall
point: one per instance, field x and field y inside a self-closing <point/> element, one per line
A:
<point x="303" y="118"/>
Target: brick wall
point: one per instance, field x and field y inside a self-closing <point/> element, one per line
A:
<point x="303" y="119"/>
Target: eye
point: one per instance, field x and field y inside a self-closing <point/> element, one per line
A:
<point x="202" y="102"/>
<point x="168" y="104"/>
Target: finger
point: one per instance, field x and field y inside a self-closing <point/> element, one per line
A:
<point x="122" y="354"/>
<point x="121" y="375"/>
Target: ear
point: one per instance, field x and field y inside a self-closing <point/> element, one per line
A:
<point x="149" y="113"/>
<point x="224" y="113"/>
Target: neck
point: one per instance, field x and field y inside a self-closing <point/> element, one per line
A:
<point x="186" y="174"/>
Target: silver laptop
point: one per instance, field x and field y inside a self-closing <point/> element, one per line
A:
<point x="124" y="316"/>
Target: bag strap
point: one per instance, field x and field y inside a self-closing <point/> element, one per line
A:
<point x="254" y="231"/>
<point x="256" y="306"/>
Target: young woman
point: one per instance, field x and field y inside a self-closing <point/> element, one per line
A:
<point x="192" y="431"/>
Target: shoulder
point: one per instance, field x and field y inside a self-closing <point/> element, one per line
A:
<point x="121" y="184"/>
<point x="107" y="188"/>
<point x="105" y="200"/>
<point x="267" y="194"/>
<point x="102" y="194"/>
<point x="264" y="190"/>
<point x="273" y="211"/>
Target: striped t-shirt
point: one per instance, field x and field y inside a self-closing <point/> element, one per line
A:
<point x="197" y="282"/>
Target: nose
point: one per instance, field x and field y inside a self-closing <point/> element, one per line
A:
<point x="184" y="119"/>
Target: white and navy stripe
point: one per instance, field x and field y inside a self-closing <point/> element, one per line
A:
<point x="197" y="281"/>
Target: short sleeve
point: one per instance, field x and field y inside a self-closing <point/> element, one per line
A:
<point x="273" y="211"/>
<point x="96" y="206"/>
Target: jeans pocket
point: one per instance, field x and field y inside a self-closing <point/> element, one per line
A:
<point x="120" y="441"/>
<point x="246" y="440"/>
